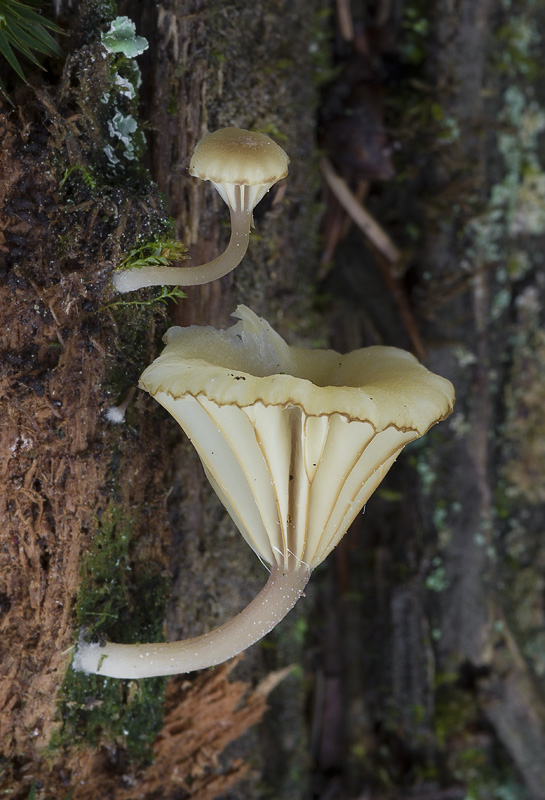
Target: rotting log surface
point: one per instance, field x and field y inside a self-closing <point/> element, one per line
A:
<point x="67" y="357"/>
<point x="60" y="469"/>
<point x="433" y="611"/>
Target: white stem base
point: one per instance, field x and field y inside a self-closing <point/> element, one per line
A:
<point x="271" y="605"/>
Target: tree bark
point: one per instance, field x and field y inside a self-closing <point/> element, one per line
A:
<point x="421" y="639"/>
<point x="80" y="494"/>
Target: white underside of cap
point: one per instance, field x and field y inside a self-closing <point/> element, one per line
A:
<point x="240" y="197"/>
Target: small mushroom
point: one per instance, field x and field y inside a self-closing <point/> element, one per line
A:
<point x="294" y="442"/>
<point x="243" y="166"/>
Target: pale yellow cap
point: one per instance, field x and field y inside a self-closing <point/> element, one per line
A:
<point x="251" y="363"/>
<point x="237" y="156"/>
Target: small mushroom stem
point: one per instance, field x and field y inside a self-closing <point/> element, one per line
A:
<point x="241" y="219"/>
<point x="274" y="601"/>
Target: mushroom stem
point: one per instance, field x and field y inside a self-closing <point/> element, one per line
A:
<point x="241" y="219"/>
<point x="274" y="601"/>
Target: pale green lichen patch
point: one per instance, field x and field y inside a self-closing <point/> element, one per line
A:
<point x="127" y="139"/>
<point x="105" y="189"/>
<point x="437" y="580"/>
<point x="123" y="128"/>
<point x="120" y="96"/>
<point x="122" y="38"/>
<point x="516" y="202"/>
<point x="524" y="428"/>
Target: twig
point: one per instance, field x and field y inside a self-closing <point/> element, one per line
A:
<point x="398" y="293"/>
<point x="338" y="226"/>
<point x="384" y="12"/>
<point x="360" y="193"/>
<point x="344" y="16"/>
<point x="363" y="219"/>
<point x="387" y="255"/>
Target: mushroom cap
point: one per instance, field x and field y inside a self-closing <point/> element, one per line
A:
<point x="251" y="363"/>
<point x="236" y="156"/>
<point x="293" y="441"/>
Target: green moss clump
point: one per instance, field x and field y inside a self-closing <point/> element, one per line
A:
<point x="125" y="602"/>
<point x="466" y="748"/>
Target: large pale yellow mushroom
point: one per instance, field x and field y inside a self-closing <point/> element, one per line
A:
<point x="294" y="442"/>
<point x="243" y="166"/>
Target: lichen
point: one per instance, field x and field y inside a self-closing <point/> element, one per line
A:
<point x="524" y="428"/>
<point x="437" y="580"/>
<point x="121" y="38"/>
<point x="516" y="203"/>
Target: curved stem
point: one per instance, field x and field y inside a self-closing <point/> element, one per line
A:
<point x="137" y="278"/>
<point x="271" y="605"/>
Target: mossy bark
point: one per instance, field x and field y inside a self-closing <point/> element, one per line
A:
<point x="75" y="487"/>
<point x="424" y="658"/>
<point x="87" y="538"/>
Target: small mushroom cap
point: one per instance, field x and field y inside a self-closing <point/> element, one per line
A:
<point x="251" y="363"/>
<point x="236" y="156"/>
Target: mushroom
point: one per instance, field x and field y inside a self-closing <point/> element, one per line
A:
<point x="243" y="166"/>
<point x="294" y="442"/>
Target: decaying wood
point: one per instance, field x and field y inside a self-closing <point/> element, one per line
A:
<point x="56" y="469"/>
<point x="202" y="717"/>
<point x="67" y="357"/>
<point x="432" y="650"/>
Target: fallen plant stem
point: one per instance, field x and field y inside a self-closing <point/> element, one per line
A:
<point x="346" y="23"/>
<point x="387" y="254"/>
<point x="398" y="293"/>
<point x="363" y="219"/>
<point x="338" y="229"/>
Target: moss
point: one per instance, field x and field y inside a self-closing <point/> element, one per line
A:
<point x="92" y="15"/>
<point x="121" y="597"/>
<point x="139" y="329"/>
<point x="125" y="602"/>
<point x="110" y="587"/>
<point x="107" y="203"/>
<point x="97" y="710"/>
<point x="466" y="749"/>
<point x="416" y="29"/>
